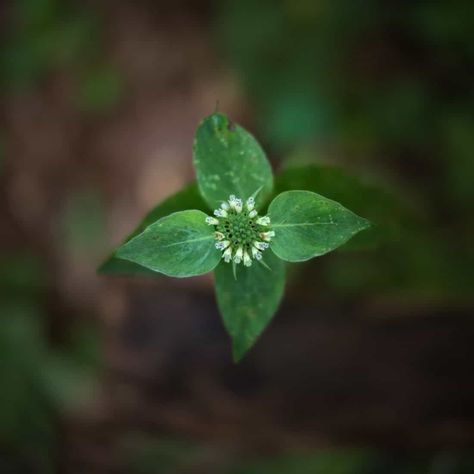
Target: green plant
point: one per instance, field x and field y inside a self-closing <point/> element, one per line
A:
<point x="234" y="177"/>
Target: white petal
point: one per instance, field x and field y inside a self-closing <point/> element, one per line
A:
<point x="211" y="220"/>
<point x="263" y="220"/>
<point x="256" y="253"/>
<point x="250" y="203"/>
<point x="235" y="203"/>
<point x="227" y="255"/>
<point x="260" y="245"/>
<point x="267" y="235"/>
<point x="238" y="255"/>
<point x="252" y="214"/>
<point x="247" y="259"/>
<point x="219" y="235"/>
<point x="220" y="213"/>
<point x="238" y="205"/>
<point x="222" y="245"/>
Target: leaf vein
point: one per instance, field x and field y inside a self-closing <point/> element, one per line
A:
<point x="182" y="242"/>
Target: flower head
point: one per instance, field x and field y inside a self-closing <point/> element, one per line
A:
<point x="240" y="233"/>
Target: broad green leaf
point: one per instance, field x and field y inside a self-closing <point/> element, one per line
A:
<point x="228" y="160"/>
<point x="249" y="301"/>
<point x="365" y="197"/>
<point x="178" y="245"/>
<point x="307" y="225"/>
<point x="187" y="198"/>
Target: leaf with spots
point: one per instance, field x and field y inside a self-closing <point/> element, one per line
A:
<point x="178" y="245"/>
<point x="308" y="225"/>
<point x="249" y="301"/>
<point x="229" y="160"/>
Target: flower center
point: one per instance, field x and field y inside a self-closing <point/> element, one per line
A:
<point x="240" y="233"/>
<point x="240" y="229"/>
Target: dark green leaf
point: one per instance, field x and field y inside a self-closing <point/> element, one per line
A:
<point x="308" y="225"/>
<point x="248" y="303"/>
<point x="228" y="160"/>
<point x="187" y="198"/>
<point x="179" y="245"/>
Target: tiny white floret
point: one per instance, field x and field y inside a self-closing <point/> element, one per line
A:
<point x="263" y="220"/>
<point x="250" y="204"/>
<point x="247" y="259"/>
<point x="267" y="235"/>
<point x="238" y="255"/>
<point x="256" y="253"/>
<point x="222" y="245"/>
<point x="211" y="220"/>
<point x="260" y="245"/>
<point x="227" y="255"/>
<point x="220" y="213"/>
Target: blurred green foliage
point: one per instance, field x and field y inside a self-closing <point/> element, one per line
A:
<point x="38" y="381"/>
<point x="45" y="36"/>
<point x="334" y="461"/>
<point x="82" y="223"/>
<point x="327" y="462"/>
<point x="101" y="88"/>
<point x="142" y="454"/>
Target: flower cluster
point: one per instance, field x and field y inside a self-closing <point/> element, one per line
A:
<point x="240" y="233"/>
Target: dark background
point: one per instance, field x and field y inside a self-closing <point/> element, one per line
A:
<point x="367" y="367"/>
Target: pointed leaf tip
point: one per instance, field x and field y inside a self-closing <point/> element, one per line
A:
<point x="186" y="198"/>
<point x="178" y="245"/>
<point x="248" y="304"/>
<point x="229" y="160"/>
<point x="308" y="225"/>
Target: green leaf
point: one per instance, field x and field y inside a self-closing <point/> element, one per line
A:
<point x="248" y="303"/>
<point x="117" y="267"/>
<point x="308" y="225"/>
<point x="179" y="245"/>
<point x="379" y="204"/>
<point x="187" y="198"/>
<point x="228" y="160"/>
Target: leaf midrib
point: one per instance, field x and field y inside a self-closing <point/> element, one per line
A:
<point x="182" y="242"/>
<point x="298" y="224"/>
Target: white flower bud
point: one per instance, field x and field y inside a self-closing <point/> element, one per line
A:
<point x="238" y="255"/>
<point x="247" y="259"/>
<point x="220" y="213"/>
<point x="227" y="255"/>
<point x="260" y="245"/>
<point x="250" y="204"/>
<point x="222" y="245"/>
<point x="211" y="220"/>
<point x="267" y="235"/>
<point x="263" y="220"/>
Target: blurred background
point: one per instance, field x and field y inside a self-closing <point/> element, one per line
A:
<point x="367" y="368"/>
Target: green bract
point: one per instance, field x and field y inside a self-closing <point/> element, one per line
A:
<point x="245" y="247"/>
